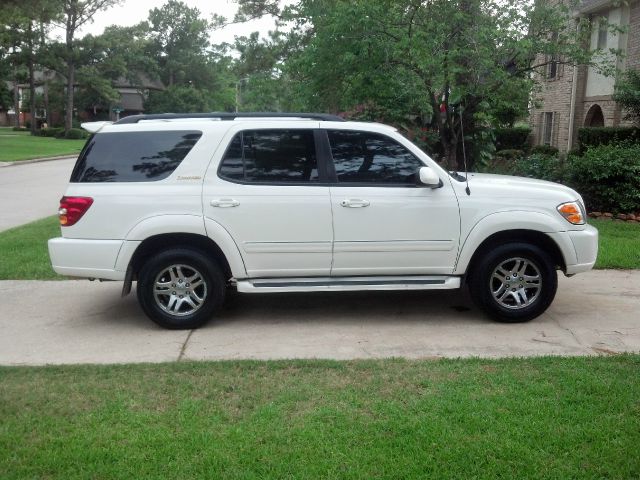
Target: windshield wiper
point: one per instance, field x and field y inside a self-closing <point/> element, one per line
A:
<point x="457" y="176"/>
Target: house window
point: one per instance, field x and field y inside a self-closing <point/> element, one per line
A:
<point x="603" y="31"/>
<point x="547" y="128"/>
<point x="552" y="67"/>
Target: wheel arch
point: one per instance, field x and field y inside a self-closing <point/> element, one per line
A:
<point x="533" y="237"/>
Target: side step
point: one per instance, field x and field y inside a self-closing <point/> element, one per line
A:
<point x="346" y="284"/>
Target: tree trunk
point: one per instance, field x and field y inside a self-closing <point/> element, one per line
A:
<point x="16" y="99"/>
<point x="68" y="118"/>
<point x="45" y="93"/>
<point x="32" y="84"/>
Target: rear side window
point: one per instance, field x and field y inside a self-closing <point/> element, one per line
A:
<point x="271" y="156"/>
<point x="133" y="156"/>
<point x="364" y="157"/>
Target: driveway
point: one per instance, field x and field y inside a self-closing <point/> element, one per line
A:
<point x="83" y="322"/>
<point x="32" y="191"/>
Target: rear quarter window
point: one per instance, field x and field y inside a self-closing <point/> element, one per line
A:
<point x="133" y="156"/>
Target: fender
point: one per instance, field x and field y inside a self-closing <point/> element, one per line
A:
<point x="515" y="220"/>
<point x="172" y="224"/>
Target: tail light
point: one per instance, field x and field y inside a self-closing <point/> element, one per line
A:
<point x="72" y="209"/>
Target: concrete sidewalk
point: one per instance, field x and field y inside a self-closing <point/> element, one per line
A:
<point x="83" y="322"/>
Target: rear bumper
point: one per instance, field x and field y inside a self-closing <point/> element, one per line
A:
<point x="86" y="258"/>
<point x="585" y="243"/>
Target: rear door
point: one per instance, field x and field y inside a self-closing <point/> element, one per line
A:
<point x="385" y="223"/>
<point x="269" y="190"/>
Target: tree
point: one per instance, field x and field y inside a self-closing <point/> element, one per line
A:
<point x="627" y="94"/>
<point x="76" y="13"/>
<point x="440" y="62"/>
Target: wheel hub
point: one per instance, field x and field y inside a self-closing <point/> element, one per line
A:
<point x="180" y="290"/>
<point x="516" y="283"/>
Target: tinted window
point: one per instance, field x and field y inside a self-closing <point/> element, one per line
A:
<point x="133" y="156"/>
<point x="364" y="157"/>
<point x="271" y="156"/>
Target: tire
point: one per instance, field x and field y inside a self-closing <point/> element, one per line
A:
<point x="510" y="299"/>
<point x="183" y="306"/>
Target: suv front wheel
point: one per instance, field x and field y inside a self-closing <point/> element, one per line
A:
<point x="514" y="282"/>
<point x="180" y="288"/>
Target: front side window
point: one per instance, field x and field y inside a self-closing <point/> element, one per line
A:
<point x="364" y="157"/>
<point x="133" y="156"/>
<point x="271" y="156"/>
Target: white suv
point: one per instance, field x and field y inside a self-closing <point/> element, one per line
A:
<point x="191" y="205"/>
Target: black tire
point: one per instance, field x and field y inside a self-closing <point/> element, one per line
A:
<point x="507" y="302"/>
<point x="170" y="310"/>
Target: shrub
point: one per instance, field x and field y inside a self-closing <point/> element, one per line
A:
<point x="608" y="177"/>
<point x="72" y="134"/>
<point x="20" y="129"/>
<point x="76" y="134"/>
<point x="540" y="166"/>
<point x="592" y="137"/>
<point x="50" y="132"/>
<point x="512" y="138"/>
<point x="544" y="150"/>
<point x="509" y="154"/>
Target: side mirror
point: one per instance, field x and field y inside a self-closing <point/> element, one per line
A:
<point x="429" y="178"/>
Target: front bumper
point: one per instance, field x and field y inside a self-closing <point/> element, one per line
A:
<point x="585" y="243"/>
<point x="86" y="258"/>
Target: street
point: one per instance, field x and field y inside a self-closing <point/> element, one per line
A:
<point x="32" y="191"/>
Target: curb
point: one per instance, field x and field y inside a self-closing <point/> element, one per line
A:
<point x="35" y="160"/>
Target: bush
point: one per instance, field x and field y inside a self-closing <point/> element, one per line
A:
<point x="50" y="132"/>
<point x="545" y="150"/>
<point x="20" y="129"/>
<point x="72" y="134"/>
<point x="592" y="137"/>
<point x="512" y="138"/>
<point x="608" y="177"/>
<point x="76" y="134"/>
<point x="509" y="154"/>
<point x="540" y="166"/>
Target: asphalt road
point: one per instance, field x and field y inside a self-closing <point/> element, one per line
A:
<point x="32" y="191"/>
<point x="62" y="322"/>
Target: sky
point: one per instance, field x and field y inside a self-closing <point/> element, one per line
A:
<point x="130" y="12"/>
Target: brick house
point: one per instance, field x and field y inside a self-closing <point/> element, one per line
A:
<point x="574" y="97"/>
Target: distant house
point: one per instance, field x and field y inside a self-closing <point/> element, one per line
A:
<point x="131" y="102"/>
<point x="572" y="98"/>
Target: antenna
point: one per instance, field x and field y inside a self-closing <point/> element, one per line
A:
<point x="464" y="154"/>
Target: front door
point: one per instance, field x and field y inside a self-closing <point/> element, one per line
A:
<point x="384" y="222"/>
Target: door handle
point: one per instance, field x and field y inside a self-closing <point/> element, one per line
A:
<point x="224" y="203"/>
<point x="354" y="203"/>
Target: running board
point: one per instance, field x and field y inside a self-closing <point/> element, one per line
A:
<point x="344" y="284"/>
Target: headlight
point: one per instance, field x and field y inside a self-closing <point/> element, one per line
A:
<point x="572" y="212"/>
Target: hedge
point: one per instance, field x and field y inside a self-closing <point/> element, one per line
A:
<point x="608" y="177"/>
<point x="512" y="138"/>
<point x="594" y="136"/>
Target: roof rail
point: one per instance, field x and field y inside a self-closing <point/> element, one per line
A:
<point x="229" y="116"/>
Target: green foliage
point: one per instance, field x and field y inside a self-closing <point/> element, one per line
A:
<point x="512" y="138"/>
<point x="20" y="129"/>
<point x="51" y="132"/>
<point x="608" y="177"/>
<point x="544" y="150"/>
<point x="511" y="154"/>
<point x="72" y="134"/>
<point x="627" y="94"/>
<point x="178" y="99"/>
<point x="594" y="136"/>
<point x="540" y="166"/>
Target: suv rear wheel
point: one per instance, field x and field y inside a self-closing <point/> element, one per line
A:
<point x="514" y="282"/>
<point x="180" y="288"/>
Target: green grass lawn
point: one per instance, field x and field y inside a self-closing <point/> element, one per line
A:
<point x="24" y="253"/>
<point x="24" y="147"/>
<point x="514" y="418"/>
<point x="619" y="244"/>
<point x="11" y="131"/>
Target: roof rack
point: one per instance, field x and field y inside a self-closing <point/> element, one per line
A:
<point x="229" y="116"/>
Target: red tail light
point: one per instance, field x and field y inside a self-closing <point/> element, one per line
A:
<point x="72" y="209"/>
